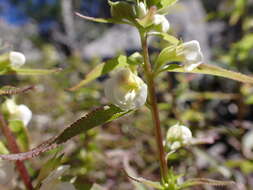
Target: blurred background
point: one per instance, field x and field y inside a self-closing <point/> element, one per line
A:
<point x="50" y="35"/>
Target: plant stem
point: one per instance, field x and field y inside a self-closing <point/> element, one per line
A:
<point x="13" y="146"/>
<point x="154" y="109"/>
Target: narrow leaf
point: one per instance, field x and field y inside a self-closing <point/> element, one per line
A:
<point x="94" y="118"/>
<point x="10" y="90"/>
<point x="101" y="20"/>
<point x="101" y="69"/>
<point x="212" y="70"/>
<point x="204" y="181"/>
<point x="21" y="71"/>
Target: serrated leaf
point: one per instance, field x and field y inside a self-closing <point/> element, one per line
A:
<point x="101" y="70"/>
<point x="96" y="117"/>
<point x="204" y="181"/>
<point x="212" y="70"/>
<point x="11" y="90"/>
<point x="23" y="71"/>
<point x="18" y="128"/>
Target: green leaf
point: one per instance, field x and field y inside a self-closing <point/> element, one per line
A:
<point x="21" y="134"/>
<point x="169" y="38"/>
<point x="101" y="70"/>
<point x="212" y="70"/>
<point x="167" y="3"/>
<point x="22" y="71"/>
<point x="3" y="149"/>
<point x="96" y="187"/>
<point x="97" y="117"/>
<point x="49" y="166"/>
<point x="167" y="55"/>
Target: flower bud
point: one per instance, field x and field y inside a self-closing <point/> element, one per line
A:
<point x="178" y="135"/>
<point x="17" y="59"/>
<point x="192" y="55"/>
<point x="17" y="112"/>
<point x="7" y="171"/>
<point x="161" y="23"/>
<point x="141" y="10"/>
<point x="126" y="90"/>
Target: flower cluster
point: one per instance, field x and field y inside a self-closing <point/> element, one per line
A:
<point x="17" y="112"/>
<point x="126" y="90"/>
<point x="159" y="21"/>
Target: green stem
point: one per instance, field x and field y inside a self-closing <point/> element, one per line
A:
<point x="154" y="108"/>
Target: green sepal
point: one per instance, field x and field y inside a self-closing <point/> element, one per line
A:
<point x="121" y="10"/>
<point x="21" y="134"/>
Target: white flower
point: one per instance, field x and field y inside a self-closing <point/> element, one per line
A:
<point x="7" y="171"/>
<point x="178" y="135"/>
<point x="126" y="90"/>
<point x="17" y="59"/>
<point x="52" y="182"/>
<point x="247" y="145"/>
<point x="141" y="10"/>
<point x="192" y="55"/>
<point x="18" y="112"/>
<point x="161" y="22"/>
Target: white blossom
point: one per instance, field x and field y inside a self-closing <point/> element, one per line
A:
<point x="141" y="10"/>
<point x="126" y="90"/>
<point x="7" y="171"/>
<point x="53" y="182"/>
<point x="17" y="59"/>
<point x="178" y="135"/>
<point x="161" y="22"/>
<point x="18" y="112"/>
<point x="192" y="55"/>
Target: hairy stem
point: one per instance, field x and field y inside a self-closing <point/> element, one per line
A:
<point x="13" y="146"/>
<point x="153" y="104"/>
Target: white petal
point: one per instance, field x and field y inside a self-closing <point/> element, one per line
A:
<point x="117" y="91"/>
<point x="17" y="59"/>
<point x="24" y="114"/>
<point x="162" y="21"/>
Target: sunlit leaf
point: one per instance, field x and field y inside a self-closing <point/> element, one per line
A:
<point x="97" y="117"/>
<point x="3" y="148"/>
<point x="212" y="70"/>
<point x="101" y="70"/>
<point x="169" y="38"/>
<point x="22" y="71"/>
<point x="101" y="20"/>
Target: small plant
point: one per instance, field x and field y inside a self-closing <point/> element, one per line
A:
<point x="132" y="84"/>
